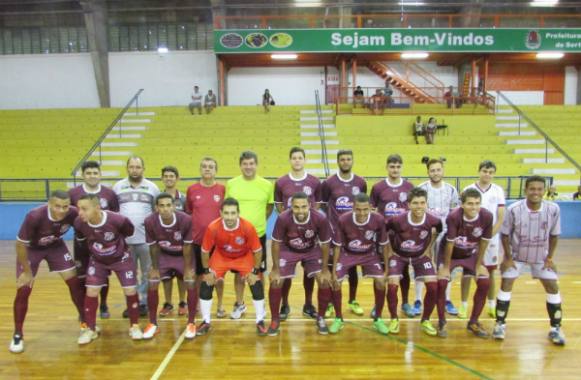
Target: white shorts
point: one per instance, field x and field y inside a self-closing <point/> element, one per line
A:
<point x="492" y="257"/>
<point x="537" y="271"/>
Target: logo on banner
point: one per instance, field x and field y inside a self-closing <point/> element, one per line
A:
<point x="533" y="40"/>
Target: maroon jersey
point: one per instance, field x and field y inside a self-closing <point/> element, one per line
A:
<point x="466" y="234"/>
<point x="287" y="186"/>
<point x="106" y="241"/>
<point x="172" y="237"/>
<point x="107" y="197"/>
<point x="301" y="237"/>
<point x="39" y="230"/>
<point x="390" y="200"/>
<point x="409" y="239"/>
<point x="338" y="194"/>
<point x="360" y="238"/>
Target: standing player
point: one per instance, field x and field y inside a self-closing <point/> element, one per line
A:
<point x="338" y="193"/>
<point x="105" y="233"/>
<point x="390" y="198"/>
<point x="300" y="234"/>
<point x="256" y="197"/>
<point x="442" y="197"/>
<point x="235" y="246"/>
<point x="136" y="197"/>
<point x="356" y="238"/>
<point x="469" y="229"/>
<point x="169" y="235"/>
<point x="91" y="173"/>
<point x="411" y="236"/>
<point x="493" y="200"/>
<point x="170" y="177"/>
<point x="203" y="202"/>
<point x="40" y="238"/>
<point x="529" y="237"/>
<point x="298" y="180"/>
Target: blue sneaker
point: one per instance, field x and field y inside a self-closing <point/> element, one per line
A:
<point x="407" y="310"/>
<point x="417" y="309"/>
<point x="450" y="308"/>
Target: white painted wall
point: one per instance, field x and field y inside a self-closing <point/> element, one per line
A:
<point x="529" y="98"/>
<point x="571" y="83"/>
<point x="288" y="85"/>
<point x="47" y="81"/>
<point x="167" y="79"/>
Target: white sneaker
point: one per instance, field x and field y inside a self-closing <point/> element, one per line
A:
<point x="149" y="332"/>
<point x="16" y="344"/>
<point x="238" y="311"/>
<point x="135" y="332"/>
<point x="190" y="331"/>
<point x="499" y="331"/>
<point x="87" y="336"/>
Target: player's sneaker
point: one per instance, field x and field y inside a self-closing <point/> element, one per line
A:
<point x="417" y="309"/>
<point x="203" y="328"/>
<point x="238" y="311"/>
<point x="190" y="331"/>
<point x="104" y="312"/>
<point x="492" y="312"/>
<point x="135" y="332"/>
<point x="166" y="310"/>
<point x="150" y="331"/>
<point x="16" y="344"/>
<point x="273" y="329"/>
<point x="428" y="328"/>
<point x="330" y="311"/>
<point x="381" y="327"/>
<point x="284" y="312"/>
<point x="220" y="313"/>
<point x="451" y="309"/>
<point x="310" y="311"/>
<point x="407" y="310"/>
<point x="336" y="326"/>
<point x="442" y="330"/>
<point x="322" y="326"/>
<point x="477" y="329"/>
<point x="261" y="329"/>
<point x="499" y="331"/>
<point x="394" y="326"/>
<point x="355" y="308"/>
<point x="372" y="313"/>
<point x="557" y="336"/>
<point x="462" y="312"/>
<point x="183" y="308"/>
<point x="87" y="336"/>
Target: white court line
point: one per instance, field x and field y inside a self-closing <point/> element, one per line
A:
<point x="168" y="357"/>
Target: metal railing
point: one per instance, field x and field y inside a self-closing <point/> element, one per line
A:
<point x="38" y="189"/>
<point x="548" y="140"/>
<point x="115" y="123"/>
<point x="319" y="113"/>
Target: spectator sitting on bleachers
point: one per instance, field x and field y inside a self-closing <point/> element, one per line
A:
<point x="210" y="101"/>
<point x="358" y="97"/>
<point x="388" y="93"/>
<point x="577" y="195"/>
<point x="418" y="128"/>
<point x="267" y="100"/>
<point x="452" y="98"/>
<point x="196" y="101"/>
<point x="377" y="103"/>
<point x="431" y="128"/>
<point x="551" y="194"/>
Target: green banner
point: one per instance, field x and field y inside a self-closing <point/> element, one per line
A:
<point x="451" y="40"/>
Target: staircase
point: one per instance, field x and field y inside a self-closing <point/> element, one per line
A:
<point x="400" y="83"/>
<point x="466" y="84"/>
<point x="311" y="142"/>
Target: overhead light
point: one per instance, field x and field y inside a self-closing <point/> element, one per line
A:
<point x="544" y="3"/>
<point x="414" y="55"/>
<point x="550" y="55"/>
<point x="283" y="56"/>
<point x="162" y="50"/>
<point x="307" y="4"/>
<point x="414" y="3"/>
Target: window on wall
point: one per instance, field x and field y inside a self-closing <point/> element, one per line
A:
<point x="43" y="40"/>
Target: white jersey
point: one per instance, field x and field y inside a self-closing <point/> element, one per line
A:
<point x="441" y="200"/>
<point x="136" y="203"/>
<point x="492" y="198"/>
<point x="529" y="230"/>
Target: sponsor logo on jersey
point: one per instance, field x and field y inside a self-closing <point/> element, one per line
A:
<point x="410" y="246"/>
<point x="343" y="204"/>
<point x="104" y="203"/>
<point x="216" y="198"/>
<point x="403" y="197"/>
<point x="358" y="246"/>
<point x="239" y="240"/>
<point x="307" y="190"/>
<point x="423" y="234"/>
<point x="309" y="234"/>
<point x="177" y="235"/>
<point x="109" y="236"/>
<point x="355" y="190"/>
<point x="391" y="209"/>
<point x="370" y="235"/>
<point x="47" y="240"/>
<point x="298" y="244"/>
<point x="91" y="271"/>
<point x="477" y="232"/>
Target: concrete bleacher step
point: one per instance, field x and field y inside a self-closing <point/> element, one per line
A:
<point x="312" y="112"/>
<point x="543" y="161"/>
<point x="318" y="142"/>
<point x="554" y="171"/>
<point x="123" y="136"/>
<point x="512" y="125"/>
<point x="534" y="151"/>
<point x="105" y="173"/>
<point x="142" y="113"/>
<point x="314" y="118"/>
<point x="525" y="142"/>
<point x="315" y="152"/>
<point x="507" y="117"/>
<point x="119" y="144"/>
<point x="129" y="121"/>
<point x="130" y="128"/>
<point x="517" y="133"/>
<point x="567" y="182"/>
<point x="312" y="134"/>
<point x="505" y="110"/>
<point x="316" y="172"/>
<point x="111" y="153"/>
<point x="316" y="126"/>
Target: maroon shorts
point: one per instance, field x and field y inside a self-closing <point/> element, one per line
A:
<point x="468" y="265"/>
<point x="171" y="266"/>
<point x="369" y="262"/>
<point x="312" y="262"/>
<point x="82" y="256"/>
<point x="98" y="272"/>
<point x="57" y="256"/>
<point x="423" y="266"/>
